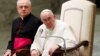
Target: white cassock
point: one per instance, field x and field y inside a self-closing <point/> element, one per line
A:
<point x="42" y="43"/>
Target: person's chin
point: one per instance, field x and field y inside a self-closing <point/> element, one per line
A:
<point x="50" y="28"/>
<point x="24" y="15"/>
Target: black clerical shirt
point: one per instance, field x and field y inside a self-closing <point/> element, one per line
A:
<point x="24" y="28"/>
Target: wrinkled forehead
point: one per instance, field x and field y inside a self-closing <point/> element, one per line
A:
<point x="45" y="15"/>
<point x="23" y="2"/>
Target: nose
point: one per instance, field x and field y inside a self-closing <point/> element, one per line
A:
<point x="47" y="22"/>
<point x="23" y="8"/>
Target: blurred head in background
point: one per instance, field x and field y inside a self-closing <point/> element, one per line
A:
<point x="24" y="7"/>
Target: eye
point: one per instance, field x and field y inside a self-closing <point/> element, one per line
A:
<point x="20" y="6"/>
<point x="23" y="7"/>
<point x="49" y="18"/>
<point x="46" y="19"/>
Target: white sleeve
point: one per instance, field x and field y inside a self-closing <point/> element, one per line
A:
<point x="36" y="44"/>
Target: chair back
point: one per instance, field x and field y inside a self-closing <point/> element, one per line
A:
<point x="80" y="15"/>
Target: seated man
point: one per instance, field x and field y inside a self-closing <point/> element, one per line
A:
<point x="51" y="27"/>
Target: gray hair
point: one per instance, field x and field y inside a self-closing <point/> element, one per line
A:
<point x="28" y="1"/>
<point x="47" y="10"/>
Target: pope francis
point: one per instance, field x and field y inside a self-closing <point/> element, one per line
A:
<point x="44" y="45"/>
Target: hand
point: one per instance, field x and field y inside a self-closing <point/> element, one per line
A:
<point x="7" y="53"/>
<point x="52" y="49"/>
<point x="14" y="54"/>
<point x="35" y="53"/>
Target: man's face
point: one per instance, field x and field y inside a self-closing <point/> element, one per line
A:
<point x="49" y="21"/>
<point x="23" y="8"/>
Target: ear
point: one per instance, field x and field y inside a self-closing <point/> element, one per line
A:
<point x="30" y="8"/>
<point x="54" y="17"/>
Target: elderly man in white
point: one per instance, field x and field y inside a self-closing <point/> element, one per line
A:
<point x="51" y="27"/>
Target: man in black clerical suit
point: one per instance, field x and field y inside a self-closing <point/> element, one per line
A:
<point x="24" y="28"/>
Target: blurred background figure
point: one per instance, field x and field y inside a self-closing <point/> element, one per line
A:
<point x="24" y="28"/>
